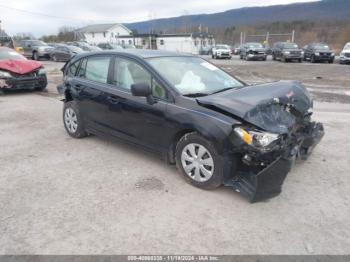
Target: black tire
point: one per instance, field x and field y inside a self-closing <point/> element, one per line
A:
<point x="216" y="179"/>
<point x="273" y="57"/>
<point x="331" y="61"/>
<point x="300" y="60"/>
<point x="313" y="59"/>
<point x="41" y="88"/>
<point x="35" y="56"/>
<point x="80" y="131"/>
<point x="241" y="57"/>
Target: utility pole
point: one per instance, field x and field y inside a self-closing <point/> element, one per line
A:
<point x="293" y="36"/>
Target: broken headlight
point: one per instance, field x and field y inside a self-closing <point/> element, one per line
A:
<point x="256" y="138"/>
<point x="4" y="74"/>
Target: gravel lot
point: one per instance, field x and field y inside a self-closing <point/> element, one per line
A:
<point x="91" y="196"/>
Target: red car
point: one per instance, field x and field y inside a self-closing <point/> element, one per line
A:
<point x="16" y="72"/>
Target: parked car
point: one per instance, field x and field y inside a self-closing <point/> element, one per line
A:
<point x="217" y="129"/>
<point x="85" y="46"/>
<point x="206" y="50"/>
<point x="286" y="51"/>
<point x="65" y="52"/>
<point x="318" y="52"/>
<point x="345" y="55"/>
<point x="237" y="50"/>
<point x="253" y="51"/>
<point x="16" y="72"/>
<point x="221" y="51"/>
<point x="109" y="46"/>
<point x="36" y="49"/>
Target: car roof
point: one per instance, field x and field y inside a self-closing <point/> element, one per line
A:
<point x="141" y="53"/>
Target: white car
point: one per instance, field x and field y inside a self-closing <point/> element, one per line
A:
<point x="345" y="54"/>
<point x="221" y="51"/>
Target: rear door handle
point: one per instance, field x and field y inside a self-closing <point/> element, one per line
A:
<point x="78" y="88"/>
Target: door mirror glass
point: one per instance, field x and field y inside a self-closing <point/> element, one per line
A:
<point x="141" y="89"/>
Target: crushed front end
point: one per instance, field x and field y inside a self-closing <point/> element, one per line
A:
<point x="34" y="80"/>
<point x="265" y="154"/>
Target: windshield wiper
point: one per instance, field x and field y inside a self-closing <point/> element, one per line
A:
<point x="222" y="90"/>
<point x="195" y="94"/>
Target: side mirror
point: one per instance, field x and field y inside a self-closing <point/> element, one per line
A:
<point x="144" y="90"/>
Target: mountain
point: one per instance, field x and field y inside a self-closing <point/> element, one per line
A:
<point x="325" y="10"/>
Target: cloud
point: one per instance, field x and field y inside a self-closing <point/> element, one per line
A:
<point x="79" y="13"/>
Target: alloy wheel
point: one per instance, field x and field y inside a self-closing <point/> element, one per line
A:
<point x="197" y="162"/>
<point x="71" y="120"/>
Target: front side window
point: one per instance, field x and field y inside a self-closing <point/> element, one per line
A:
<point x="193" y="75"/>
<point x="95" y="68"/>
<point x="127" y="73"/>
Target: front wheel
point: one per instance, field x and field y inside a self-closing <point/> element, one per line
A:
<point x="35" y="56"/>
<point x="72" y="120"/>
<point x="199" y="162"/>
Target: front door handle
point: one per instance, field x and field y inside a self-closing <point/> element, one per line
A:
<point x="115" y="99"/>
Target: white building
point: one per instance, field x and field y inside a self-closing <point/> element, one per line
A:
<point x="183" y="43"/>
<point x="102" y="33"/>
<point x="119" y="34"/>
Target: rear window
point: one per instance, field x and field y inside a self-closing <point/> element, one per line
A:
<point x="11" y="55"/>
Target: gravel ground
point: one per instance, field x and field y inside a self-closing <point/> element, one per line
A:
<point x="59" y="195"/>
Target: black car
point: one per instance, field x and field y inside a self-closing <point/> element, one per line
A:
<point x="253" y="51"/>
<point x="286" y="51"/>
<point x="318" y="52"/>
<point x="64" y="53"/>
<point x="215" y="128"/>
<point x="109" y="46"/>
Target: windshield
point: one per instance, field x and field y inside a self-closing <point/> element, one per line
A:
<point x="255" y="45"/>
<point x="37" y="43"/>
<point x="222" y="47"/>
<point x="347" y="47"/>
<point x="193" y="76"/>
<point x="290" y="46"/>
<point x="75" y="49"/>
<point x="117" y="47"/>
<point x="11" y="55"/>
<point x="322" y="47"/>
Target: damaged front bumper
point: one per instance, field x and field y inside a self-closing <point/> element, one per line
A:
<point x="31" y="82"/>
<point x="265" y="182"/>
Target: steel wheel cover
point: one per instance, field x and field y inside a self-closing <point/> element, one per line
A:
<point x="197" y="162"/>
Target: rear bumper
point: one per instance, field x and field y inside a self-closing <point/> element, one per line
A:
<point x="24" y="82"/>
<point x="267" y="183"/>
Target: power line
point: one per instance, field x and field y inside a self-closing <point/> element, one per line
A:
<point x="45" y="15"/>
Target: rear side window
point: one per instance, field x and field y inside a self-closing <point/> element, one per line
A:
<point x="72" y="71"/>
<point x="95" y="68"/>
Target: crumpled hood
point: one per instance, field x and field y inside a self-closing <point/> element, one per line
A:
<point x="19" y="66"/>
<point x="273" y="107"/>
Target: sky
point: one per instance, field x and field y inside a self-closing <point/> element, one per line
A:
<point x="44" y="17"/>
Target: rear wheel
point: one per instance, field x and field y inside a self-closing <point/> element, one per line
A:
<point x="313" y="59"/>
<point x="35" y="56"/>
<point x="72" y="120"/>
<point x="199" y="162"/>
